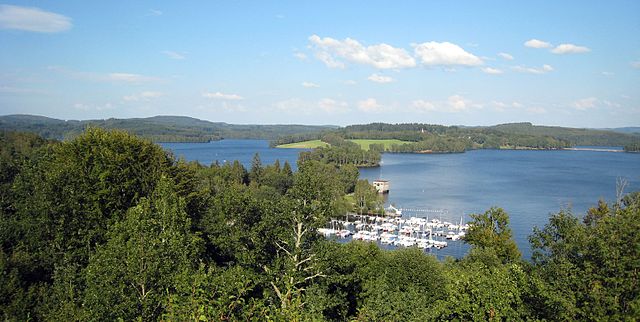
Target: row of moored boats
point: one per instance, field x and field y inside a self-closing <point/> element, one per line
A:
<point x="405" y="232"/>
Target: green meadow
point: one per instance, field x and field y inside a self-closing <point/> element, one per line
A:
<point x="364" y="144"/>
<point x="303" y="145"/>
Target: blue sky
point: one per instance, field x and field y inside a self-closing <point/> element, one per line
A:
<point x="568" y="63"/>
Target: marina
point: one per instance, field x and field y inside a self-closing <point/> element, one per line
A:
<point x="395" y="231"/>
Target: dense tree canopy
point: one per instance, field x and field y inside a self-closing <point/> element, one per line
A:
<point x="108" y="226"/>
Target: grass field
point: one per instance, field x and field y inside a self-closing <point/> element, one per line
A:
<point x="364" y="144"/>
<point x="303" y="145"/>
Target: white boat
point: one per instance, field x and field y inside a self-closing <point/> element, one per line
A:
<point x="327" y="231"/>
<point x="344" y="233"/>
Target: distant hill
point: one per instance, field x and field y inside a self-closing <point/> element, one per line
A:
<point x="425" y="138"/>
<point x="576" y="136"/>
<point x="156" y="128"/>
<point x="627" y="130"/>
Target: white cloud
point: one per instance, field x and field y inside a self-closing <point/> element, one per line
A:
<point x="310" y="85"/>
<point x="380" y="78"/>
<point x="444" y="53"/>
<point x="505" y="56"/>
<point x="233" y="107"/>
<point x="370" y="105"/>
<point x="111" y="77"/>
<point x="350" y="82"/>
<point x="20" y="90"/>
<point x="608" y="74"/>
<point x="499" y="106"/>
<point x="611" y="104"/>
<point x="457" y="103"/>
<point x="143" y="96"/>
<point x="93" y="107"/>
<point x="297" y="106"/>
<point x="535" y="43"/>
<point x="129" y="78"/>
<point x="585" y="103"/>
<point x="423" y="106"/>
<point x="332" y="106"/>
<point x="222" y="96"/>
<point x="502" y="106"/>
<point x="154" y="12"/>
<point x="569" y="49"/>
<point x="174" y="54"/>
<point x="328" y="60"/>
<point x="635" y="64"/>
<point x="293" y="104"/>
<point x="492" y="71"/>
<point x="453" y="104"/>
<point x="536" y="110"/>
<point x="381" y="56"/>
<point x="32" y="19"/>
<point x="531" y="70"/>
<point x="299" y="55"/>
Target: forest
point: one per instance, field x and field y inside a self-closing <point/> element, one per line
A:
<point x="342" y="152"/>
<point x="109" y="226"/>
<point x="425" y="137"/>
<point x="156" y="128"/>
<point x="432" y="138"/>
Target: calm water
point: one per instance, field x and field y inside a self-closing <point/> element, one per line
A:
<point x="230" y="150"/>
<point x="529" y="185"/>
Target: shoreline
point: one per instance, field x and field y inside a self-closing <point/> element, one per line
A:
<point x="593" y="150"/>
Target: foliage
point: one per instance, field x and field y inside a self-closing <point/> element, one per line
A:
<point x="632" y="147"/>
<point x="591" y="267"/>
<point x="428" y="138"/>
<point x="491" y="230"/>
<point x="128" y="277"/>
<point x="367" y="199"/>
<point x="157" y="128"/>
<point x="573" y="135"/>
<point x="341" y="152"/>
<point x="109" y="227"/>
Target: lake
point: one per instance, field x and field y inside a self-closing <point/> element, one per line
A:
<point x="230" y="150"/>
<point x="529" y="185"/>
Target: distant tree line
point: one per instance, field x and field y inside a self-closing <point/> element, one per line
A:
<point x="108" y="226"/>
<point x="157" y="128"/>
<point x="436" y="138"/>
<point x="633" y="147"/>
<point x="342" y="152"/>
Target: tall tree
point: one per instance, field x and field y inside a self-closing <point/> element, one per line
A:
<point x="491" y="230"/>
<point x="129" y="277"/>
<point x="255" y="174"/>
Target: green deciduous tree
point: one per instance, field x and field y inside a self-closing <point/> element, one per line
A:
<point x="491" y="230"/>
<point x="366" y="198"/>
<point x="590" y="268"/>
<point x="130" y="276"/>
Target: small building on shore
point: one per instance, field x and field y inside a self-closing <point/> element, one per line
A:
<point x="382" y="186"/>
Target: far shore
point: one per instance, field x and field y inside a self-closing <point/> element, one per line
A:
<point x="593" y="149"/>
